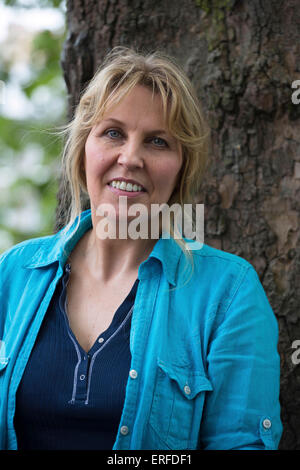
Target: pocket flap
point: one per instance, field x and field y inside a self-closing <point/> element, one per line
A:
<point x="190" y="382"/>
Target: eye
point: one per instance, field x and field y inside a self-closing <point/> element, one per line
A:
<point x="112" y="133"/>
<point x="159" y="142"/>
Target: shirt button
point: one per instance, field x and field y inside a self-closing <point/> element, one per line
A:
<point x="133" y="374"/>
<point x="100" y="340"/>
<point x="82" y="377"/>
<point x="187" y="390"/>
<point x="124" y="430"/>
<point x="267" y="423"/>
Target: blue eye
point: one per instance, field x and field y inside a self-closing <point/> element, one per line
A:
<point x="110" y="131"/>
<point x="115" y="134"/>
<point x="160" y="142"/>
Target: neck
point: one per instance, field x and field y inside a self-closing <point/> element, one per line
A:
<point x="111" y="259"/>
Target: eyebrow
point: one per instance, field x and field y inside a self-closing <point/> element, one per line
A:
<point x="154" y="131"/>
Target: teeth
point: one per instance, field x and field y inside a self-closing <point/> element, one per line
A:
<point x="125" y="187"/>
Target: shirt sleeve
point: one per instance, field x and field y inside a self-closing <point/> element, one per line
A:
<point x="243" y="410"/>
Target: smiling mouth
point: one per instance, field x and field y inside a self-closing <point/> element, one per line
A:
<point x="127" y="187"/>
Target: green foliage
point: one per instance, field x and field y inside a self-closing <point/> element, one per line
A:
<point x="34" y="3"/>
<point x="46" y="50"/>
<point x="29" y="149"/>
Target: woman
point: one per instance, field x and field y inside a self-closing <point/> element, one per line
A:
<point x="107" y="343"/>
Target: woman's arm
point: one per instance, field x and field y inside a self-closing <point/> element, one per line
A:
<point x="243" y="410"/>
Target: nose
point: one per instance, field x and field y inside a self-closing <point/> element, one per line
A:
<point x="131" y="156"/>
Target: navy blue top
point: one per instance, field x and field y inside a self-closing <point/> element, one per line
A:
<point x="68" y="398"/>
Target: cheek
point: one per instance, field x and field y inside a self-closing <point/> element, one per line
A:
<point x="170" y="171"/>
<point x="94" y="160"/>
<point x="167" y="177"/>
<point x="91" y="151"/>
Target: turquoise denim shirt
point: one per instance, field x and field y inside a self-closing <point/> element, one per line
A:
<point x="204" y="352"/>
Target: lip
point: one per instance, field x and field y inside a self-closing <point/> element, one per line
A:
<point x="120" y="192"/>
<point x="127" y="180"/>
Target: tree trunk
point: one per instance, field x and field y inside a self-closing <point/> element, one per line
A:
<point x="242" y="57"/>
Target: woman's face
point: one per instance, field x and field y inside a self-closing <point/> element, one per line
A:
<point x="131" y="153"/>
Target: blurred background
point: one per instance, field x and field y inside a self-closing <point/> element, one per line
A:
<point x="32" y="103"/>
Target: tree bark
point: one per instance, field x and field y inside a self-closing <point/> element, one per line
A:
<point x="242" y="57"/>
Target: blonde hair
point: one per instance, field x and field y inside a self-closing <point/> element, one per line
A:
<point x="122" y="69"/>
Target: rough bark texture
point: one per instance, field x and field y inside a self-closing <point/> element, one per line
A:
<point x="242" y="57"/>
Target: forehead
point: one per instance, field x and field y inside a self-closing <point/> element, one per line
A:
<point x="140" y="104"/>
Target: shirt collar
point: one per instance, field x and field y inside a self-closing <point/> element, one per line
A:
<point x="168" y="252"/>
<point x="57" y="248"/>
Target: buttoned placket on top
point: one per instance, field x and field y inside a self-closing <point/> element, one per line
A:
<point x="84" y="367"/>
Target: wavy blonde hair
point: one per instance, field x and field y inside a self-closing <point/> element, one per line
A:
<point x="122" y="69"/>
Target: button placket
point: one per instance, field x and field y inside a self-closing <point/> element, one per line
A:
<point x="84" y="366"/>
<point x="82" y="377"/>
<point x="83" y="369"/>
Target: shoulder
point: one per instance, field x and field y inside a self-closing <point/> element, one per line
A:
<point x="22" y="253"/>
<point x="219" y="258"/>
<point x="218" y="269"/>
<point x="225" y="283"/>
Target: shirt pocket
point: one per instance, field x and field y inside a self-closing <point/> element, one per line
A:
<point x="177" y="405"/>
